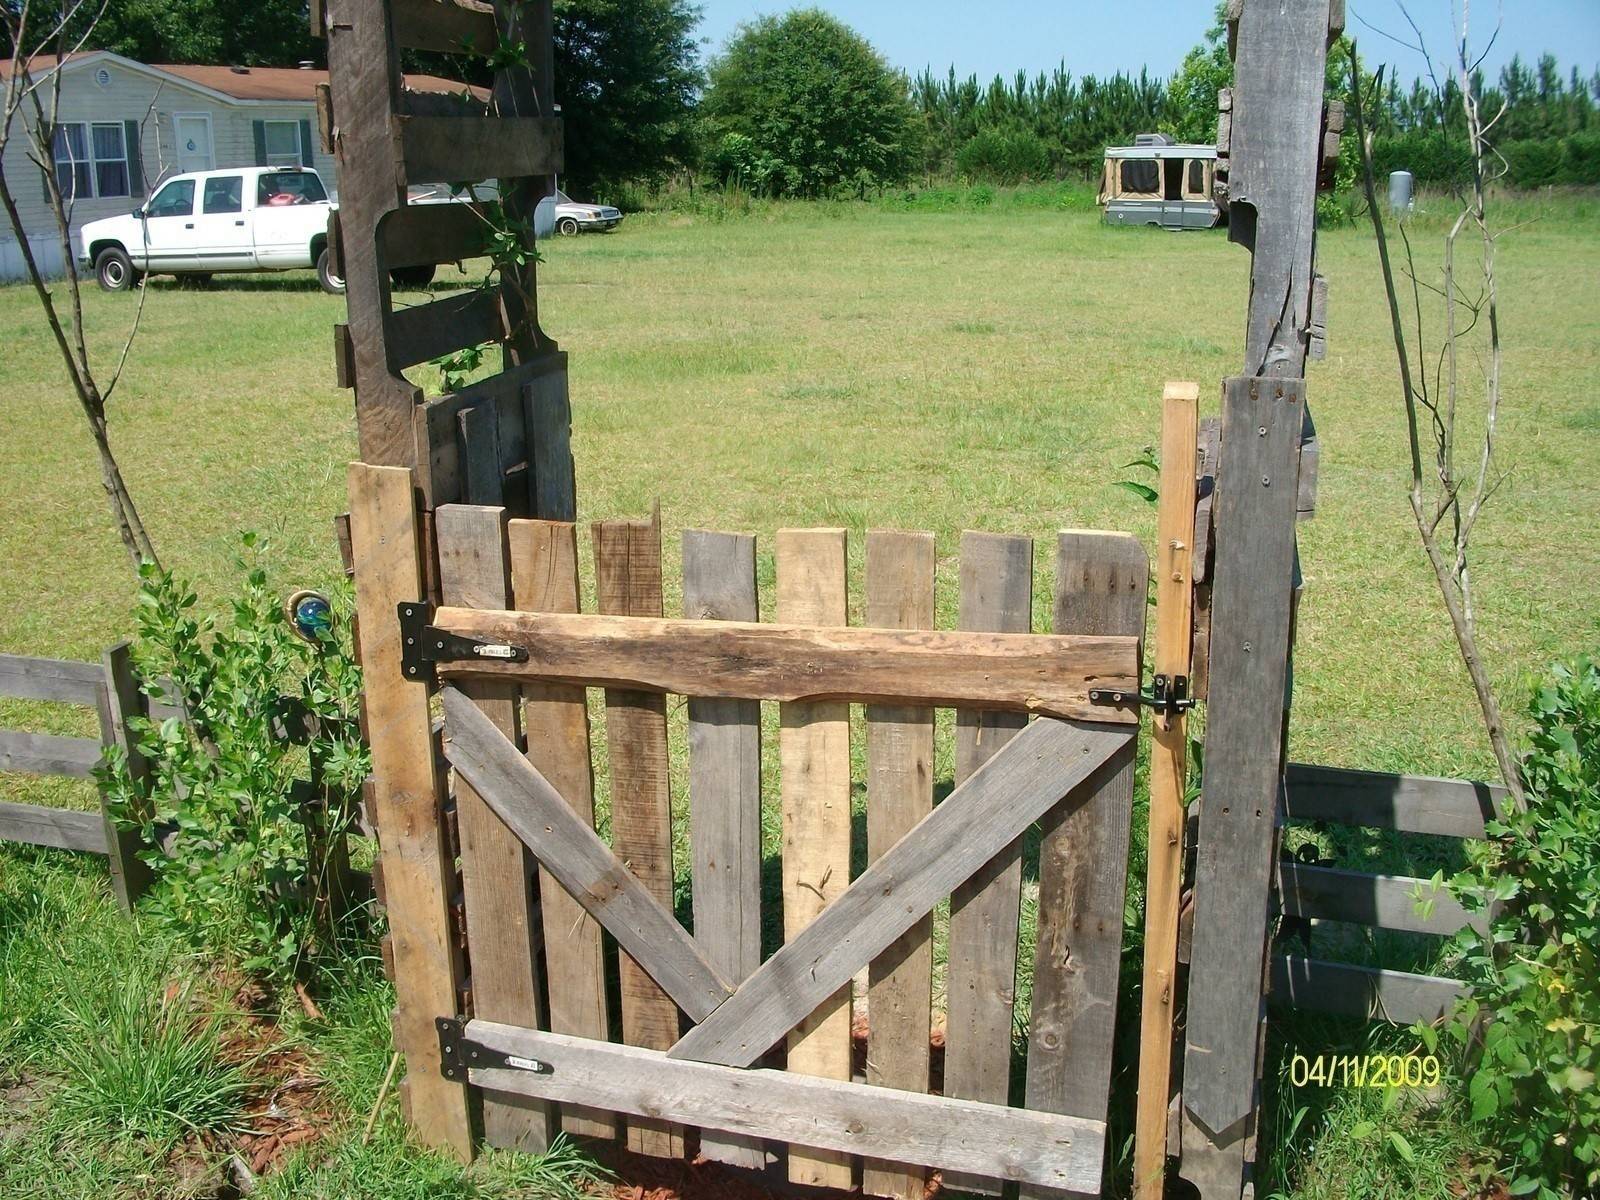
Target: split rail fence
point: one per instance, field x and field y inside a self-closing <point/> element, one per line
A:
<point x="111" y="688"/>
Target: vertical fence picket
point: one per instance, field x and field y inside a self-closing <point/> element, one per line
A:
<point x="719" y="583"/>
<point x="627" y="556"/>
<point x="900" y="578"/>
<point x="544" y="578"/>
<point x="497" y="870"/>
<point x="980" y="991"/>
<point x="814" y="759"/>
<point x="406" y="794"/>
<point x="1102" y="580"/>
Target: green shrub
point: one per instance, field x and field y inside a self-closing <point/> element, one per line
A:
<point x="241" y="867"/>
<point x="1004" y="156"/>
<point x="1534" y="1017"/>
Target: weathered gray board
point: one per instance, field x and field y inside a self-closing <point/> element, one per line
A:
<point x="1408" y="803"/>
<point x="1363" y="993"/>
<point x="1381" y="901"/>
<point x="1255" y="537"/>
<point x="1039" y="1149"/>
<point x="36" y="825"/>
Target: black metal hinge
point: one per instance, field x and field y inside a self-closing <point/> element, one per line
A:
<point x="458" y="1055"/>
<point x="1168" y="695"/>
<point x="422" y="645"/>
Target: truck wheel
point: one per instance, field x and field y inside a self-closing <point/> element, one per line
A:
<point x="414" y="278"/>
<point x="567" y="226"/>
<point x="113" y="270"/>
<point x="331" y="283"/>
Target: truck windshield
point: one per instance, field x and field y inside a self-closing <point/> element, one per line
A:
<point x="289" y="187"/>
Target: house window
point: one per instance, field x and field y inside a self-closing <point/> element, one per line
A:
<point x="91" y="160"/>
<point x="282" y="143"/>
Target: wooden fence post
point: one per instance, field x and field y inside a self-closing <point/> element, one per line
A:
<point x="121" y="699"/>
<point x="1169" y="759"/>
<point x="406" y="795"/>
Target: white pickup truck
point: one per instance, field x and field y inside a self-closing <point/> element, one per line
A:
<point x="245" y="219"/>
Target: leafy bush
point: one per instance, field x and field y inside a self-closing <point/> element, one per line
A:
<point x="1534" y="1016"/>
<point x="1004" y="156"/>
<point x="243" y="867"/>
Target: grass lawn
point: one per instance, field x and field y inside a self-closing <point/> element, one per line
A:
<point x="851" y="365"/>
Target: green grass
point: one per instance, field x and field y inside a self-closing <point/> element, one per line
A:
<point x="925" y="361"/>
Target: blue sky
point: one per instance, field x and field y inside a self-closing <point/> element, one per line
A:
<point x="1092" y="36"/>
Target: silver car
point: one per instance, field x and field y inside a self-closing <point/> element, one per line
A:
<point x="574" y="218"/>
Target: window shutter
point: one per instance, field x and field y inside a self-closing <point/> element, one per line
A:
<point x="130" y="135"/>
<point x="307" y="148"/>
<point x="259" y="128"/>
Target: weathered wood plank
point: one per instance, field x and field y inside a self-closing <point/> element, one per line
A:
<point x="424" y="332"/>
<point x="63" y="829"/>
<point x="544" y="578"/>
<point x="365" y="84"/>
<point x="50" y="679"/>
<point x="900" y="576"/>
<point x="1255" y="523"/>
<point x="719" y="584"/>
<point x="1101" y="583"/>
<point x="440" y="477"/>
<point x="1364" y="993"/>
<point x="627" y="558"/>
<point x="1046" y="762"/>
<point x="478" y="431"/>
<point x="604" y="883"/>
<point x="1408" y="803"/>
<point x="549" y="422"/>
<point x="996" y="596"/>
<point x="814" y="765"/>
<point x="421" y="235"/>
<point x="444" y="26"/>
<point x="48" y="754"/>
<point x="120" y="699"/>
<point x="806" y="663"/>
<point x="1169" y="762"/>
<point x="469" y="149"/>
<point x="405" y="795"/>
<point x="497" y="869"/>
<point x="832" y="1115"/>
<point x="1380" y="901"/>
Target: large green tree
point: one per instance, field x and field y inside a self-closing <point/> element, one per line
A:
<point x="627" y="72"/>
<point x="801" y="105"/>
<point x="260" y="33"/>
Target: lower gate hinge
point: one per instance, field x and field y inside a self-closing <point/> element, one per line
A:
<point x="1168" y="695"/>
<point x="422" y="645"/>
<point x="458" y="1054"/>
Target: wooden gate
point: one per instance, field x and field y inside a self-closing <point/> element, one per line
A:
<point x="755" y="1052"/>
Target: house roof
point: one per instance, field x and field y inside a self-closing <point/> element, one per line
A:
<point x="251" y="84"/>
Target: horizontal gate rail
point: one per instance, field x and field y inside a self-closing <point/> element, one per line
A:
<point x="63" y="829"/>
<point x="1046" y="674"/>
<point x="1040" y="1149"/>
<point x="1397" y="902"/>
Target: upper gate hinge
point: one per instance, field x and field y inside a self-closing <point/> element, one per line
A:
<point x="1168" y="695"/>
<point x="422" y="645"/>
<point x="458" y="1055"/>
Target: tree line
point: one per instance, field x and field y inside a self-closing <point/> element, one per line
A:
<point x="801" y="105"/>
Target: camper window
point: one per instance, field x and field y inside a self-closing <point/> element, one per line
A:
<point x="1140" y="175"/>
<point x="1197" y="177"/>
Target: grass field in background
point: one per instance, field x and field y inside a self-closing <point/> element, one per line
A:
<point x="944" y="363"/>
